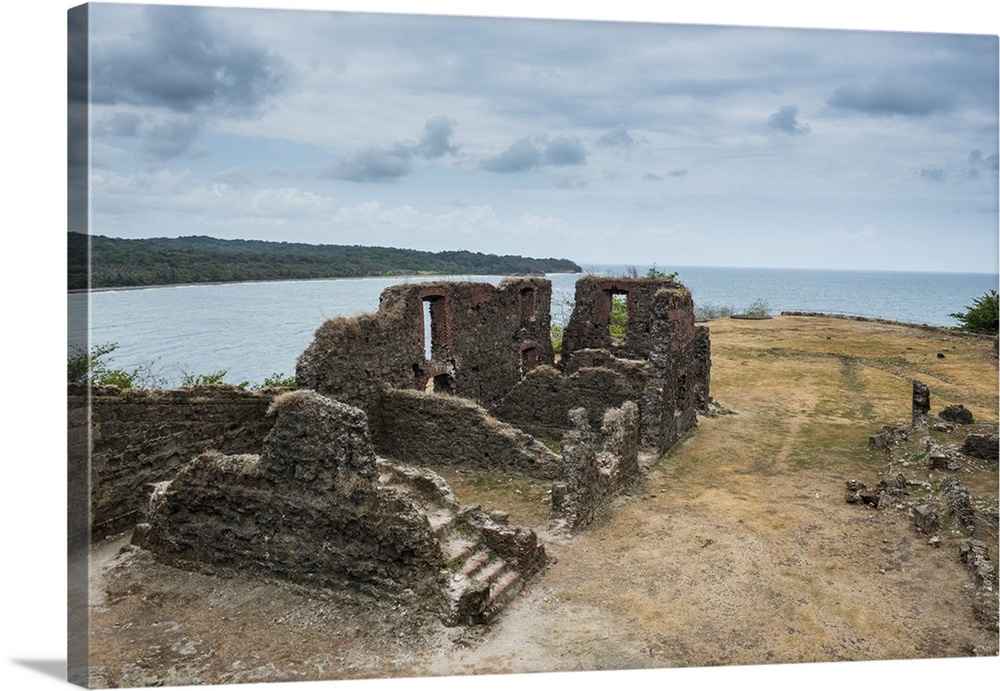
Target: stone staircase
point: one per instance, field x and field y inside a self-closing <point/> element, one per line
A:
<point x="486" y="560"/>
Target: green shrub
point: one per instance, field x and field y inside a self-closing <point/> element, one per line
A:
<point x="211" y="379"/>
<point x="758" y="308"/>
<point x="94" y="367"/>
<point x="982" y="316"/>
<point x="277" y="380"/>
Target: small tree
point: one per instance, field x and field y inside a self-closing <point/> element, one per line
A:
<point x="983" y="316"/>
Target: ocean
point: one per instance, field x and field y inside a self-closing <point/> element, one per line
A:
<point x="256" y="330"/>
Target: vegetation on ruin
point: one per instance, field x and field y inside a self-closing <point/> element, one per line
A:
<point x="117" y="262"/>
<point x="96" y="368"/>
<point x="983" y="316"/>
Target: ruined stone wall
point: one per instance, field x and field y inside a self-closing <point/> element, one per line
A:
<point x="318" y="507"/>
<point x="664" y="355"/>
<point x="589" y="324"/>
<point x="597" y="465"/>
<point x="308" y="509"/>
<point x="483" y="338"/>
<point x="679" y="370"/>
<point x="140" y="437"/>
<point x="352" y="359"/>
<point x="540" y="403"/>
<point x="440" y="431"/>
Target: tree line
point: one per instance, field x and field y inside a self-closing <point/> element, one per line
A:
<point x="120" y="263"/>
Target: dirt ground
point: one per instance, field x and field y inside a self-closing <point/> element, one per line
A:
<point x="737" y="548"/>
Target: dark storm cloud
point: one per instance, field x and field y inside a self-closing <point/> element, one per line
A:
<point x="887" y="96"/>
<point x="179" y="61"/>
<point x="178" y="70"/>
<point x="786" y="120"/>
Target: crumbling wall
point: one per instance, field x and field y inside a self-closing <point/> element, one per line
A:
<point x="139" y="437"/>
<point x="590" y="322"/>
<point x="352" y="359"/>
<point x="318" y="507"/>
<point x="679" y="370"/>
<point x="596" y="465"/>
<point x="308" y="509"/>
<point x="661" y="333"/>
<point x="482" y="339"/>
<point x="442" y="431"/>
<point x="540" y="403"/>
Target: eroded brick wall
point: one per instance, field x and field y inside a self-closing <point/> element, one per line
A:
<point x="540" y="403"/>
<point x="482" y="339"/>
<point x="309" y="508"/>
<point x="139" y="437"/>
<point x="440" y="431"/>
<point x="589" y="324"/>
<point x="679" y="370"/>
<point x="597" y="464"/>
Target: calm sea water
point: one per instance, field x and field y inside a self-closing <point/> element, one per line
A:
<point x="254" y="330"/>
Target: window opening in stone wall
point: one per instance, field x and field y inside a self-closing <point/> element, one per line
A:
<point x="618" y="322"/>
<point x="436" y="337"/>
<point x="428" y="330"/>
<point x="528" y="305"/>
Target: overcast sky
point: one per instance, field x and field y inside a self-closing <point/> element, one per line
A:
<point x="603" y="142"/>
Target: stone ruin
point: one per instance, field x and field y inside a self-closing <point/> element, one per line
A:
<point x="443" y="375"/>
<point x="931" y="493"/>
<point x="318" y="507"/>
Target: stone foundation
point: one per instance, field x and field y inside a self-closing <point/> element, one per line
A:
<point x="317" y="507"/>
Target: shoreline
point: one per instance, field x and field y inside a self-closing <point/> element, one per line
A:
<point x="106" y="289"/>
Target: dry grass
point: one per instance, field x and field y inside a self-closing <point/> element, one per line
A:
<point x="737" y="548"/>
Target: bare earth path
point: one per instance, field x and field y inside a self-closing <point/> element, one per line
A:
<point x="738" y="548"/>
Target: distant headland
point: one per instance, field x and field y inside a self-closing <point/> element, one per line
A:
<point x="123" y="263"/>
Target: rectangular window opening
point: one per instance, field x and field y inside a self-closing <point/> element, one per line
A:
<point x="618" y="321"/>
<point x="528" y="305"/>
<point x="437" y="336"/>
<point x="428" y="330"/>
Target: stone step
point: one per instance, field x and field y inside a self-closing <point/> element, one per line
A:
<point x="473" y="564"/>
<point x="487" y="571"/>
<point x="502" y="591"/>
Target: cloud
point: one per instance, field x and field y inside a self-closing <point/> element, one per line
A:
<point x="530" y="153"/>
<point x="565" y="151"/>
<point x="436" y="140"/>
<point x="657" y="177"/>
<point x="977" y="163"/>
<point x="520" y="156"/>
<point x="174" y="71"/>
<point x="380" y="163"/>
<point x="373" y="164"/>
<point x="168" y="137"/>
<point x="887" y="96"/>
<point x="618" y="137"/>
<point x="176" y="59"/>
<point x="933" y="174"/>
<point x="786" y="120"/>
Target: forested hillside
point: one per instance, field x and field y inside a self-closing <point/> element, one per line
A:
<point x="117" y="262"/>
